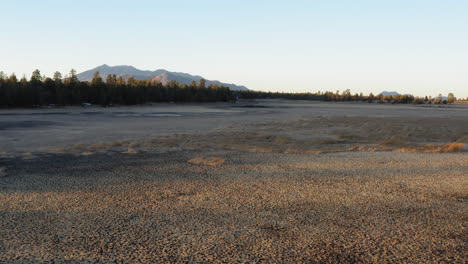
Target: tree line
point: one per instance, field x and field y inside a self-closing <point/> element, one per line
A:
<point x="40" y="90"/>
<point x="347" y="96"/>
<point x="249" y="94"/>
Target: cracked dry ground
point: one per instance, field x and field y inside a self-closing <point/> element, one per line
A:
<point x="232" y="206"/>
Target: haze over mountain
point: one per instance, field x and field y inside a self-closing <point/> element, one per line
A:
<point x="161" y="75"/>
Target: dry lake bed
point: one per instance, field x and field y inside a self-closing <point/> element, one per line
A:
<point x="267" y="181"/>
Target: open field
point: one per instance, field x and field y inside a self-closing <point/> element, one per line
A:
<point x="271" y="181"/>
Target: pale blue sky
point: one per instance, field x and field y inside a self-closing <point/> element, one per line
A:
<point x="411" y="46"/>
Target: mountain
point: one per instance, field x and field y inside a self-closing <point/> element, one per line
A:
<point x="161" y="75"/>
<point x="385" y="93"/>
<point x="442" y="98"/>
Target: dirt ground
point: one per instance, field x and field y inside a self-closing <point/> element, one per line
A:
<point x="270" y="181"/>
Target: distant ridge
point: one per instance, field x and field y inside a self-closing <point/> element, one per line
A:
<point x="163" y="76"/>
<point x="392" y="93"/>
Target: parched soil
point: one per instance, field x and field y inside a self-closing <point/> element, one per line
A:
<point x="325" y="184"/>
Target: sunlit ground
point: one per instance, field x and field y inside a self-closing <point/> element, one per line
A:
<point x="288" y="183"/>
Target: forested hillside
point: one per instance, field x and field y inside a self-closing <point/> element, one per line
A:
<point x="40" y="90"/>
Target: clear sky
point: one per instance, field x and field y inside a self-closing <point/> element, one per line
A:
<point x="411" y="46"/>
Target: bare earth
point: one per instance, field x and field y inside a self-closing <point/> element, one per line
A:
<point x="271" y="181"/>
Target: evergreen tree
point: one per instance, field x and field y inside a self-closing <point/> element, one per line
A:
<point x="202" y="83"/>
<point x="451" y="98"/>
<point x="3" y="76"/>
<point x="72" y="78"/>
<point x="57" y="77"/>
<point x="12" y="79"/>
<point x="36" y="77"/>
<point x="99" y="90"/>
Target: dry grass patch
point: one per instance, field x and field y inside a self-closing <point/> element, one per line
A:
<point x="121" y="143"/>
<point x="134" y="144"/>
<point x="463" y="139"/>
<point x="282" y="140"/>
<point x="166" y="141"/>
<point x="365" y="148"/>
<point x="130" y="151"/>
<point x="328" y="141"/>
<point x="304" y="151"/>
<point x="349" y="136"/>
<point x="300" y="151"/>
<point x="430" y="148"/>
<point x="71" y="148"/>
<point x="260" y="150"/>
<point x="395" y="140"/>
<point x="210" y="161"/>
<point x="28" y="156"/>
<point x="100" y="146"/>
<point x="309" y="136"/>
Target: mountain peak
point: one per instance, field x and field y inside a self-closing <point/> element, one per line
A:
<point x="389" y="93"/>
<point x="160" y="75"/>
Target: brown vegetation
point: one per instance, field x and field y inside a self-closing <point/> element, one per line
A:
<point x="311" y="136"/>
<point x="451" y="147"/>
<point x="395" y="140"/>
<point x="209" y="161"/>
<point x="463" y="139"/>
<point x="130" y="151"/>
